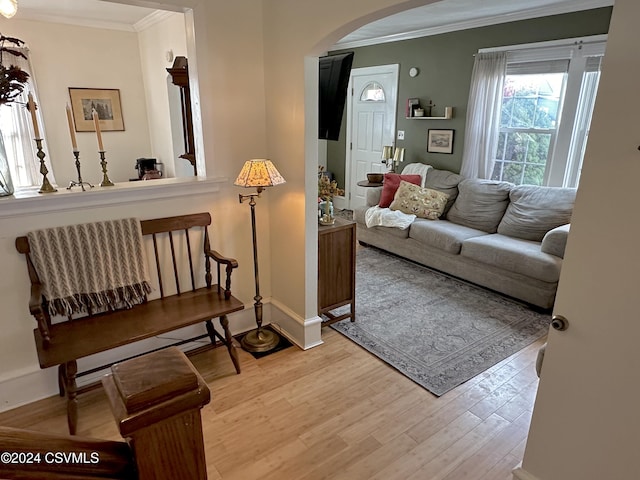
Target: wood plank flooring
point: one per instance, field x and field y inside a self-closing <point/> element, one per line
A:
<point x="337" y="412"/>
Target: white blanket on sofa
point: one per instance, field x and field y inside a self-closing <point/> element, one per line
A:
<point x="385" y="217"/>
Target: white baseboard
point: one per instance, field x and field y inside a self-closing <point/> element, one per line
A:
<point x="520" y="474"/>
<point x="34" y="384"/>
<point x="305" y="333"/>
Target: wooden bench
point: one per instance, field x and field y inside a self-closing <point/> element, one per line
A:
<point x="62" y="344"/>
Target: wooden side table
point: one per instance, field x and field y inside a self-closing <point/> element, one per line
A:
<point x="337" y="270"/>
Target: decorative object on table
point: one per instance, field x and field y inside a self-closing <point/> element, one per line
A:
<point x="12" y="84"/>
<point x="467" y="329"/>
<point x="327" y="189"/>
<point x="258" y="173"/>
<point x="8" y="8"/>
<point x="76" y="153"/>
<point x="412" y="104"/>
<point x="440" y="141"/>
<point x="105" y="101"/>
<point x="106" y="182"/>
<point x="375" y="177"/>
<point x="46" y="185"/>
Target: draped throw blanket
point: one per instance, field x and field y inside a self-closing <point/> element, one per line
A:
<point x="91" y="266"/>
<point x="385" y="217"/>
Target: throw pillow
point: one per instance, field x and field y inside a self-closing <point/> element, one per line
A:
<point x="419" y="201"/>
<point x="391" y="184"/>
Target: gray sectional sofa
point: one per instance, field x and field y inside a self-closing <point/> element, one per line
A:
<point x="498" y="235"/>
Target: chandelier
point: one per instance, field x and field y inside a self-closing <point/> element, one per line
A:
<point x="8" y="8"/>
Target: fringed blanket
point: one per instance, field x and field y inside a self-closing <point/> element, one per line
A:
<point x="91" y="266"/>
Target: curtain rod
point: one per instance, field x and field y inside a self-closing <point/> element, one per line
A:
<point x="567" y="42"/>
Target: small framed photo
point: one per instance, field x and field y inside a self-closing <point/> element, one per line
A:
<point x="105" y="101"/>
<point x="440" y="141"/>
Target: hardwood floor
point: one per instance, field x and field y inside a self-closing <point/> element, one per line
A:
<point x="337" y="412"/>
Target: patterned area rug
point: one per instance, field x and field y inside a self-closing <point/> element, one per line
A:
<point x="437" y="330"/>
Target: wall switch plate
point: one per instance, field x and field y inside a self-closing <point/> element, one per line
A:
<point x="400" y="134"/>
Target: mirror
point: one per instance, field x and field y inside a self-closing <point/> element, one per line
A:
<point x="107" y="55"/>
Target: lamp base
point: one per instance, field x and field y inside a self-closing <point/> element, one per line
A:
<point x="260" y="340"/>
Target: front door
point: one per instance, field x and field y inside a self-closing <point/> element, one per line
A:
<point x="371" y="117"/>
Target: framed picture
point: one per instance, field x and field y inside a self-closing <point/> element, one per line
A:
<point x="440" y="141"/>
<point x="105" y="101"/>
<point x="412" y="104"/>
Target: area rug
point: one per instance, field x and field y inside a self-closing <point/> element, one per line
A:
<point x="437" y="330"/>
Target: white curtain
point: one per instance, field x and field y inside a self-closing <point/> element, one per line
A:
<point x="18" y="134"/>
<point x="483" y="114"/>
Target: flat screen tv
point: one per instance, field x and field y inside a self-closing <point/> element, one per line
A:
<point x="334" y="81"/>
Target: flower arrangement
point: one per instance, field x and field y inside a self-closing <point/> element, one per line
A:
<point x="12" y="78"/>
<point x="327" y="189"/>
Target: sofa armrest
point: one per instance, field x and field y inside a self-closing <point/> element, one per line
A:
<point x="555" y="240"/>
<point x="373" y="196"/>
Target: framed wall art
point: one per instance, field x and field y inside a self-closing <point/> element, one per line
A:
<point x="105" y="101"/>
<point x="440" y="141"/>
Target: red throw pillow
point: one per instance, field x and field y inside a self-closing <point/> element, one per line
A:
<point x="391" y="184"/>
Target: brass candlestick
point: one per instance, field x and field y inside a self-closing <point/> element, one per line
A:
<point x="105" y="178"/>
<point x="46" y="186"/>
<point x="76" y="154"/>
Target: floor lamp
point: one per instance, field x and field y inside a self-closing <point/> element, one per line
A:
<point x="258" y="173"/>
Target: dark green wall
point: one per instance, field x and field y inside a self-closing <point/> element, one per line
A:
<point x="445" y="62"/>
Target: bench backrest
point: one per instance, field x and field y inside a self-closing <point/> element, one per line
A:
<point x="179" y="231"/>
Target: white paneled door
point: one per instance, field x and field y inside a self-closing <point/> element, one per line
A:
<point x="371" y="117"/>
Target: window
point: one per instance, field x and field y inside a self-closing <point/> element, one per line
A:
<point x="17" y="132"/>
<point x="546" y="107"/>
<point x="372" y="92"/>
<point x="528" y="122"/>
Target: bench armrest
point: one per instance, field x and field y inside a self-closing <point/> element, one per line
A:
<point x="36" y="308"/>
<point x="231" y="263"/>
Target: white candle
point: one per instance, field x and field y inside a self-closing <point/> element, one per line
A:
<point x="72" y="130"/>
<point x="34" y="119"/>
<point x="96" y="122"/>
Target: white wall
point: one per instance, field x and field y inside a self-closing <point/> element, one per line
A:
<point x="66" y="56"/>
<point x="162" y="97"/>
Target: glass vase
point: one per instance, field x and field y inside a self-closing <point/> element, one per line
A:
<point x="6" y="185"/>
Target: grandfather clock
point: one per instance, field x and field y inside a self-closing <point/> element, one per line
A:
<point x="180" y="77"/>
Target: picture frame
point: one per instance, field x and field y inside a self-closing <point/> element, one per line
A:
<point x="106" y="102"/>
<point x="412" y="104"/>
<point x="440" y="141"/>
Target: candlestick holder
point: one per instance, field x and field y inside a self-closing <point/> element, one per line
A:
<point x="72" y="184"/>
<point x="105" y="178"/>
<point x="46" y="186"/>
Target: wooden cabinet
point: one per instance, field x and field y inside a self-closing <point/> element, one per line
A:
<point x="337" y="270"/>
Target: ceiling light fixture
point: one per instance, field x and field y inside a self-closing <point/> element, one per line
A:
<point x="8" y="8"/>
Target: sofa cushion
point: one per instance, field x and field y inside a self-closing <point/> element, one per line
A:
<point x="391" y="184"/>
<point x="555" y="241"/>
<point x="445" y="182"/>
<point x="480" y="204"/>
<point x="533" y="211"/>
<point x="421" y="202"/>
<point x="445" y="235"/>
<point x="513" y="254"/>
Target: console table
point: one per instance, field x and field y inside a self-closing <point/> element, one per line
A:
<point x="337" y="270"/>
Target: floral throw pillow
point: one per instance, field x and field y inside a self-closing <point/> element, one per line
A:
<point x="419" y="201"/>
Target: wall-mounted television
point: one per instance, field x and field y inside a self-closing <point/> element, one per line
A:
<point x="334" y="81"/>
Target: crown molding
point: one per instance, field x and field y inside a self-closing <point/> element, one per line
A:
<point x="152" y="19"/>
<point x="557" y="9"/>
<point x="79" y="22"/>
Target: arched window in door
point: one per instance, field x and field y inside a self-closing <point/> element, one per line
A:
<point x="372" y="92"/>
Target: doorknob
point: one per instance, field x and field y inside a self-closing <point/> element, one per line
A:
<point x="558" y="322"/>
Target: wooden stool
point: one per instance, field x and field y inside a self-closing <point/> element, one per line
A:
<point x="156" y="400"/>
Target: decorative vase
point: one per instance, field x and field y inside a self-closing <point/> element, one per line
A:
<point x="6" y="185"/>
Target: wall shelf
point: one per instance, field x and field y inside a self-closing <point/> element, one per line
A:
<point x="448" y="115"/>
